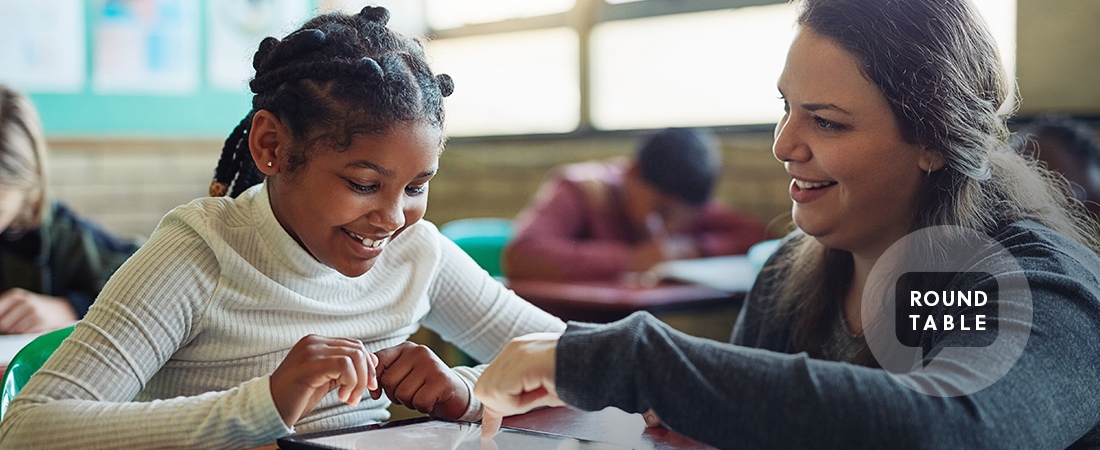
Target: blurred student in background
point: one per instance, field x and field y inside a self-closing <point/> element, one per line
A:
<point x="52" y="262"/>
<point x="601" y="219"/>
<point x="1068" y="147"/>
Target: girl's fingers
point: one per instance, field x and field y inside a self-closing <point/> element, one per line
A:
<point x="363" y="372"/>
<point x="345" y="377"/>
<point x="394" y="374"/>
<point x="425" y="398"/>
<point x="359" y="368"/>
<point x="372" y="372"/>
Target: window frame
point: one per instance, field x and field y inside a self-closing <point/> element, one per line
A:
<point x="583" y="18"/>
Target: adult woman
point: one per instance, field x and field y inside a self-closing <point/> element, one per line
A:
<point x="891" y="129"/>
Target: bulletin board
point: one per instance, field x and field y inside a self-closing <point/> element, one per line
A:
<point x="148" y="69"/>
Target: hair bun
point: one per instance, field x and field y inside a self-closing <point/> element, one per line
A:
<point x="376" y="14"/>
<point x="446" y="84"/>
<point x="275" y="52"/>
<point x="369" y="69"/>
<point x="266" y="46"/>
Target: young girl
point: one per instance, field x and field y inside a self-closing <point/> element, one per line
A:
<point x="52" y="262"/>
<point x="244" y="319"/>
<point x="891" y="130"/>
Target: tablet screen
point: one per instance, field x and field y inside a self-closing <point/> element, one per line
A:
<point x="440" y="434"/>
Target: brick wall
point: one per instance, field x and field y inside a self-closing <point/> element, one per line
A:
<point x="129" y="185"/>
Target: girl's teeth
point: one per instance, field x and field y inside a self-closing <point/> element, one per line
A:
<point x="368" y="242"/>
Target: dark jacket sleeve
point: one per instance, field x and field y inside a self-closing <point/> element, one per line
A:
<point x="733" y="396"/>
<point x="82" y="256"/>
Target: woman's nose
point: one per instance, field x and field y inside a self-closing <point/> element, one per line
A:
<point x="788" y="145"/>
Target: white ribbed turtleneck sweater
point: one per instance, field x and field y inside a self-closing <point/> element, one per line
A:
<point x="194" y="323"/>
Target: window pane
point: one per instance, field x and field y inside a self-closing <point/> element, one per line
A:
<point x="406" y="16"/>
<point x="1001" y="17"/>
<point x="455" y="13"/>
<point x="511" y="83"/>
<point x="700" y="69"/>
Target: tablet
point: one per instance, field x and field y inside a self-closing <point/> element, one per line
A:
<point x="426" y="433"/>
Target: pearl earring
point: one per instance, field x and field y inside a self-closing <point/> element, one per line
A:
<point x="269" y="164"/>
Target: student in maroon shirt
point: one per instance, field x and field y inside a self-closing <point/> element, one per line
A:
<point x="598" y="220"/>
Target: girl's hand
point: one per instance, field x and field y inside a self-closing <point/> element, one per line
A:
<point x="413" y="376"/>
<point x="314" y="367"/>
<point x="23" y="311"/>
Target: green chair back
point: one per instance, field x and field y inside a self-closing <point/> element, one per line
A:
<point x="26" y="363"/>
<point x="482" y="238"/>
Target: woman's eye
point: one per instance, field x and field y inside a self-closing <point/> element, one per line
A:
<point x="365" y="189"/>
<point x="416" y="190"/>
<point x="828" y="124"/>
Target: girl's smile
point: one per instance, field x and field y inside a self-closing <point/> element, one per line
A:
<point x="346" y="204"/>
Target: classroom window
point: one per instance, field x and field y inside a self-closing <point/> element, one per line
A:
<point x="559" y="66"/>
<point x="1001" y="17"/>
<point x="510" y="83"/>
<point x="455" y="13"/>
<point x="701" y="69"/>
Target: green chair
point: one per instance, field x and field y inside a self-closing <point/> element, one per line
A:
<point x="26" y="363"/>
<point x="482" y="238"/>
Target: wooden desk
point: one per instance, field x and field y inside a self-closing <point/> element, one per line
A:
<point x="610" y="425"/>
<point x="608" y="301"/>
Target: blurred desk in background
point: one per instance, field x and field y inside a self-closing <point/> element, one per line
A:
<point x="608" y="301"/>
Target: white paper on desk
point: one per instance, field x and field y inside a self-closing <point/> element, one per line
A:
<point x="10" y="344"/>
<point x="727" y="273"/>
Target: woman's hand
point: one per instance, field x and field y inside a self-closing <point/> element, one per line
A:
<point x="23" y="311"/>
<point x="520" y="379"/>
<point x="413" y="376"/>
<point x="314" y="367"/>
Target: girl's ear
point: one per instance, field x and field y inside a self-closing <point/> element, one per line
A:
<point x="267" y="140"/>
<point x="930" y="161"/>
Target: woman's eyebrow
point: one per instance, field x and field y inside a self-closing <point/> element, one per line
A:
<point x="817" y="106"/>
<point x="821" y="106"/>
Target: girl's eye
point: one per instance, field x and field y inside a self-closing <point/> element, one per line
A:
<point x="786" y="106"/>
<point x="416" y="190"/>
<point x="364" y="189"/>
<point x="828" y="124"/>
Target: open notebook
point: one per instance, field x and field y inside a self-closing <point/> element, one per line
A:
<point x="726" y="273"/>
<point x="10" y="344"/>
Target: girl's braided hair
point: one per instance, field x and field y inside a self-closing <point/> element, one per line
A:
<point x="337" y="76"/>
